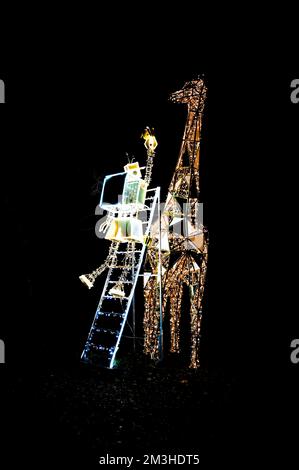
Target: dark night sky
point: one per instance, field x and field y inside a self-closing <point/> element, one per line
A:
<point x="70" y="129"/>
<point x="78" y="95"/>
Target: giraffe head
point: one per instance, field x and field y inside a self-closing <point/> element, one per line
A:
<point x="193" y="93"/>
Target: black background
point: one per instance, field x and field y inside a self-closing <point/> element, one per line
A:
<point x="64" y="128"/>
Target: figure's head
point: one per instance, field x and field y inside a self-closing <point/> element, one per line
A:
<point x="133" y="170"/>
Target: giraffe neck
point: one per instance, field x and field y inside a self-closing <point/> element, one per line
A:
<point x="184" y="176"/>
<point x="191" y="139"/>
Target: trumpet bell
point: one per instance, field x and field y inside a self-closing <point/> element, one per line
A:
<point x="87" y="280"/>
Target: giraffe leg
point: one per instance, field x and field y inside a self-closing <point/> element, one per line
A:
<point x="175" y="318"/>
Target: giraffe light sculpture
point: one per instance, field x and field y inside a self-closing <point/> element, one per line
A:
<point x="184" y="252"/>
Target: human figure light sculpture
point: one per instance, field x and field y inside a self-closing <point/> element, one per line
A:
<point x="127" y="226"/>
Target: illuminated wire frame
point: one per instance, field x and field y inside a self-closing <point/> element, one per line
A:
<point x="127" y="226"/>
<point x="190" y="247"/>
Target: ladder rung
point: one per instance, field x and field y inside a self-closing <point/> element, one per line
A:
<point x="120" y="266"/>
<point x="151" y="189"/>
<point x="131" y="251"/>
<point x="122" y="282"/>
<point x="101" y="348"/>
<point x="111" y="314"/>
<point x="112" y="297"/>
<point x="106" y="330"/>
